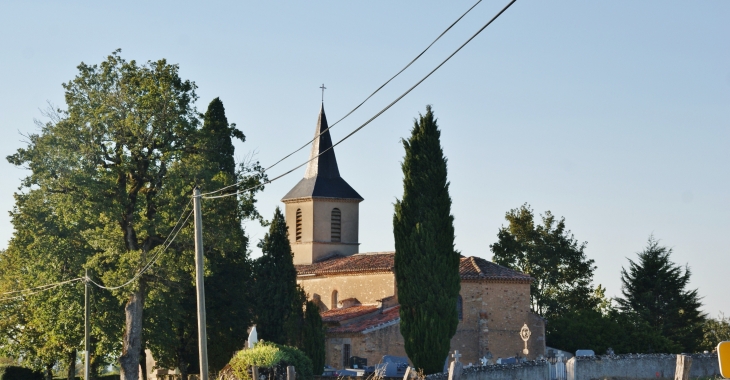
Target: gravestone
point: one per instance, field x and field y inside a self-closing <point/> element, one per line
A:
<point x="392" y="366"/>
<point x="358" y="362"/>
<point x="585" y="353"/>
<point x="509" y="361"/>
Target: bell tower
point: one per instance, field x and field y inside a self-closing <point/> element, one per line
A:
<point x="322" y="210"/>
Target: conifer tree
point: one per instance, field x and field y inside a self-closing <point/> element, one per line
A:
<point x="656" y="289"/>
<point x="313" y="337"/>
<point x="426" y="264"/>
<point x="276" y="289"/>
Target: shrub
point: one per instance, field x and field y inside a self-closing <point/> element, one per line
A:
<point x="267" y="355"/>
<point x="19" y="373"/>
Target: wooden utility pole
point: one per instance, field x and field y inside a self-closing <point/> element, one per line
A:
<point x="87" y="327"/>
<point x="199" y="271"/>
<point x="684" y="363"/>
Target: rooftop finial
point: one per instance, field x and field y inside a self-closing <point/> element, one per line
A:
<point x="323" y="88"/>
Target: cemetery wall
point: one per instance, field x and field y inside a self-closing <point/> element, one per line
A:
<point x="530" y="370"/>
<point x="638" y="366"/>
<point x="366" y="288"/>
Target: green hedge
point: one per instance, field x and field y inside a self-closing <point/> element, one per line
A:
<point x="269" y="355"/>
<point x="19" y="373"/>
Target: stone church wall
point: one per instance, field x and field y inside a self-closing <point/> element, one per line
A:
<point x="495" y="312"/>
<point x="372" y="346"/>
<point x="366" y="288"/>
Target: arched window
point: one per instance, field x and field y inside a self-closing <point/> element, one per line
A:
<point x="336" y="225"/>
<point x="460" y="307"/>
<point x="299" y="225"/>
<point x="333" y="304"/>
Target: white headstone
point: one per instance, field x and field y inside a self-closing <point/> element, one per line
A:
<point x="252" y="337"/>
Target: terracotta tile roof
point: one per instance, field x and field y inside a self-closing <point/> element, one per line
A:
<point x="470" y="268"/>
<point x="476" y="268"/>
<point x="388" y="317"/>
<point x="358" y="263"/>
<point x="338" y="315"/>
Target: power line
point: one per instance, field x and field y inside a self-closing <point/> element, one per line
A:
<point x="376" y="115"/>
<point x="42" y="288"/>
<point x="149" y="264"/>
<point x="379" y="88"/>
<point x="363" y="102"/>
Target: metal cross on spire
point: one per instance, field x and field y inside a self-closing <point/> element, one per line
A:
<point x="323" y="88"/>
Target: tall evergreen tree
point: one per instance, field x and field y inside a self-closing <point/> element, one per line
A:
<point x="552" y="256"/>
<point x="313" y="339"/>
<point x="228" y="266"/>
<point x="426" y="264"/>
<point x="656" y="289"/>
<point x="276" y="291"/>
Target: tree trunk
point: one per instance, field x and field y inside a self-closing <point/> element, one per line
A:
<point x="132" y="340"/>
<point x="71" y="374"/>
<point x="143" y="362"/>
<point x="94" y="362"/>
<point x="49" y="371"/>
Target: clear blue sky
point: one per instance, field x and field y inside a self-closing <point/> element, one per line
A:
<point x="614" y="114"/>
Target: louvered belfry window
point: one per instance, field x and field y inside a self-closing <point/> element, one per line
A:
<point x="299" y="225"/>
<point x="336" y="225"/>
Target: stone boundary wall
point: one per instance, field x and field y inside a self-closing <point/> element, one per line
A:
<point x="529" y="370"/>
<point x="638" y="366"/>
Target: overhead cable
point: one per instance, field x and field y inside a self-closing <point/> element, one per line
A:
<point x="375" y="116"/>
<point x="38" y="289"/>
<point x="363" y="102"/>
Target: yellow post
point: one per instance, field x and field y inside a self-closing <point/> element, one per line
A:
<point x="723" y="356"/>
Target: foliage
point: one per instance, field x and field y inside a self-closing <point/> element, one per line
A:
<point x="278" y="297"/>
<point x="46" y="328"/>
<point x="313" y="338"/>
<point x="270" y="355"/>
<point x="426" y="264"/>
<point x="227" y="266"/>
<point x="110" y="176"/>
<point x="19" y="373"/>
<point x="551" y="255"/>
<point x="591" y="329"/>
<point x="715" y="330"/>
<point x="655" y="289"/>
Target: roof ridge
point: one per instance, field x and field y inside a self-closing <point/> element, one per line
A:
<point x="476" y="266"/>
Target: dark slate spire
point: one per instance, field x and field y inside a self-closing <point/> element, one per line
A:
<point x="322" y="178"/>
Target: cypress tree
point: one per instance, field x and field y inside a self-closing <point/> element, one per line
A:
<point x="276" y="289"/>
<point x="313" y="337"/>
<point x="656" y="289"/>
<point x="426" y="264"/>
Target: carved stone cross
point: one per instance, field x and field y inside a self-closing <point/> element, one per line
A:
<point x="456" y="355"/>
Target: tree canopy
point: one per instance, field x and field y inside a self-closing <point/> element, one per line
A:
<point x="552" y="256"/>
<point x="656" y="289"/>
<point x="279" y="299"/>
<point x="110" y="176"/>
<point x="426" y="263"/>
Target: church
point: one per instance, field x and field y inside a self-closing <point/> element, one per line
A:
<point x="357" y="292"/>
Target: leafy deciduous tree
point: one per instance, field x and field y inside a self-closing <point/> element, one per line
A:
<point x="551" y="255"/>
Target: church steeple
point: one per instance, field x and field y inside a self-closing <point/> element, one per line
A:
<point x="322" y="211"/>
<point x="326" y="164"/>
<point x="322" y="177"/>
